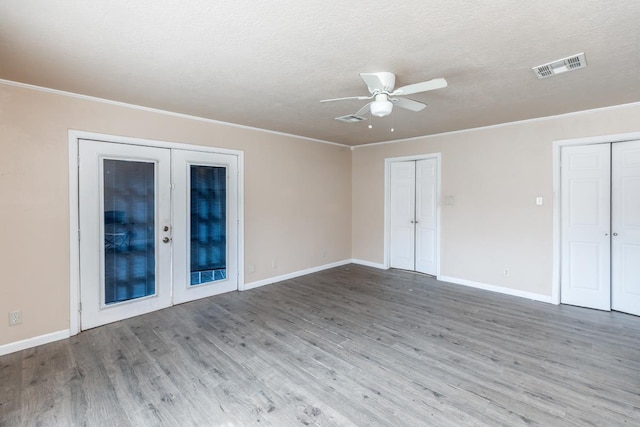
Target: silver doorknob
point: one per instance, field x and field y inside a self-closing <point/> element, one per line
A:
<point x="606" y="234"/>
<point x="615" y="234"/>
<point x="166" y="240"/>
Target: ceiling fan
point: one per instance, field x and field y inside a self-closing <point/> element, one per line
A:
<point x="381" y="87"/>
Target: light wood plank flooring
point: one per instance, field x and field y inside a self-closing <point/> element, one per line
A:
<point x="347" y="346"/>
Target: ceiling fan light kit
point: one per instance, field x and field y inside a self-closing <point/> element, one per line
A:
<point x="381" y="107"/>
<point x="381" y="87"/>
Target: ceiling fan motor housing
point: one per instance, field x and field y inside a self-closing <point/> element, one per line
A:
<point x="386" y="82"/>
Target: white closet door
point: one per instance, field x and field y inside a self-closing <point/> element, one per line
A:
<point x="585" y="222"/>
<point x="402" y="212"/>
<point x="426" y="216"/>
<point x="625" y="227"/>
<point x="205" y="234"/>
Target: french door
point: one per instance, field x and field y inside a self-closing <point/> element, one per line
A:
<point x="413" y="215"/>
<point x="600" y="220"/>
<point x="158" y="227"/>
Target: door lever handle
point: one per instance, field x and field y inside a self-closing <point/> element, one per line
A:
<point x="615" y="234"/>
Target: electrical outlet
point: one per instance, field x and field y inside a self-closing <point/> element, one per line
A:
<point x="274" y="265"/>
<point x="15" y="317"/>
<point x="323" y="254"/>
<point x="505" y="272"/>
<point x="252" y="268"/>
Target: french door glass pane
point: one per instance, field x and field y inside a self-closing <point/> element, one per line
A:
<point x="208" y="216"/>
<point x="129" y="224"/>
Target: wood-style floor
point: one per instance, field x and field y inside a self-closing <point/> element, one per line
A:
<point x="347" y="346"/>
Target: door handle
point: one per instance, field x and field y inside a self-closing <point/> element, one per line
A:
<point x="615" y="234"/>
<point x="166" y="240"/>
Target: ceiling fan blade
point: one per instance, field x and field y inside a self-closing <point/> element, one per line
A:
<point x="363" y="110"/>
<point x="409" y="104"/>
<point x="380" y="82"/>
<point x="345" y="98"/>
<point x="421" y="87"/>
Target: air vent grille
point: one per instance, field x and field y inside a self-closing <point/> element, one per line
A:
<point x="350" y="118"/>
<point x="560" y="66"/>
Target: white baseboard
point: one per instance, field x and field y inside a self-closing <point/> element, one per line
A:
<point x="368" y="264"/>
<point x="293" y="275"/>
<point x="499" y="289"/>
<point x="33" y="342"/>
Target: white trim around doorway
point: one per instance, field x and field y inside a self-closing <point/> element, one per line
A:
<point x="557" y="147"/>
<point x="387" y="203"/>
<point x="74" y="233"/>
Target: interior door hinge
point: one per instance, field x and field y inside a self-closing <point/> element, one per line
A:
<point x="80" y="306"/>
<point x="78" y="234"/>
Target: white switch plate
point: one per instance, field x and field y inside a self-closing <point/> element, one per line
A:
<point x="539" y="201"/>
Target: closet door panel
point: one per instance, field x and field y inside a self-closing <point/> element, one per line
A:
<point x="625" y="227"/>
<point x="585" y="222"/>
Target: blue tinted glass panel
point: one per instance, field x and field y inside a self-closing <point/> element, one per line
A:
<point x="208" y="224"/>
<point x="129" y="224"/>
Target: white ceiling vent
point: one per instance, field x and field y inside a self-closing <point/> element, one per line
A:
<point x="560" y="66"/>
<point x="350" y="118"/>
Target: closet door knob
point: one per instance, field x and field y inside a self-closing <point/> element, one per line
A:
<point x="615" y="234"/>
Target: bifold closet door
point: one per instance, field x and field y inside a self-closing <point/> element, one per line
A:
<point x="402" y="211"/>
<point x="413" y="210"/>
<point x="600" y="220"/>
<point x="625" y="227"/>
<point x="426" y="216"/>
<point x="585" y="221"/>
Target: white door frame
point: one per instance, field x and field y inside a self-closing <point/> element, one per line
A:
<point x="557" y="147"/>
<point x="387" y="204"/>
<point x="74" y="207"/>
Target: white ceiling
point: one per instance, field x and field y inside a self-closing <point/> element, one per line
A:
<point x="266" y="64"/>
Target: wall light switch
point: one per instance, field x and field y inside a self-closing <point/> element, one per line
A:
<point x="449" y="201"/>
<point x="539" y="201"/>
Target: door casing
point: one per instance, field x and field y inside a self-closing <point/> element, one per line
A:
<point x="74" y="217"/>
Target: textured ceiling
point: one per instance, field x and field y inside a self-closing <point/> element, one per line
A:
<point x="266" y="64"/>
